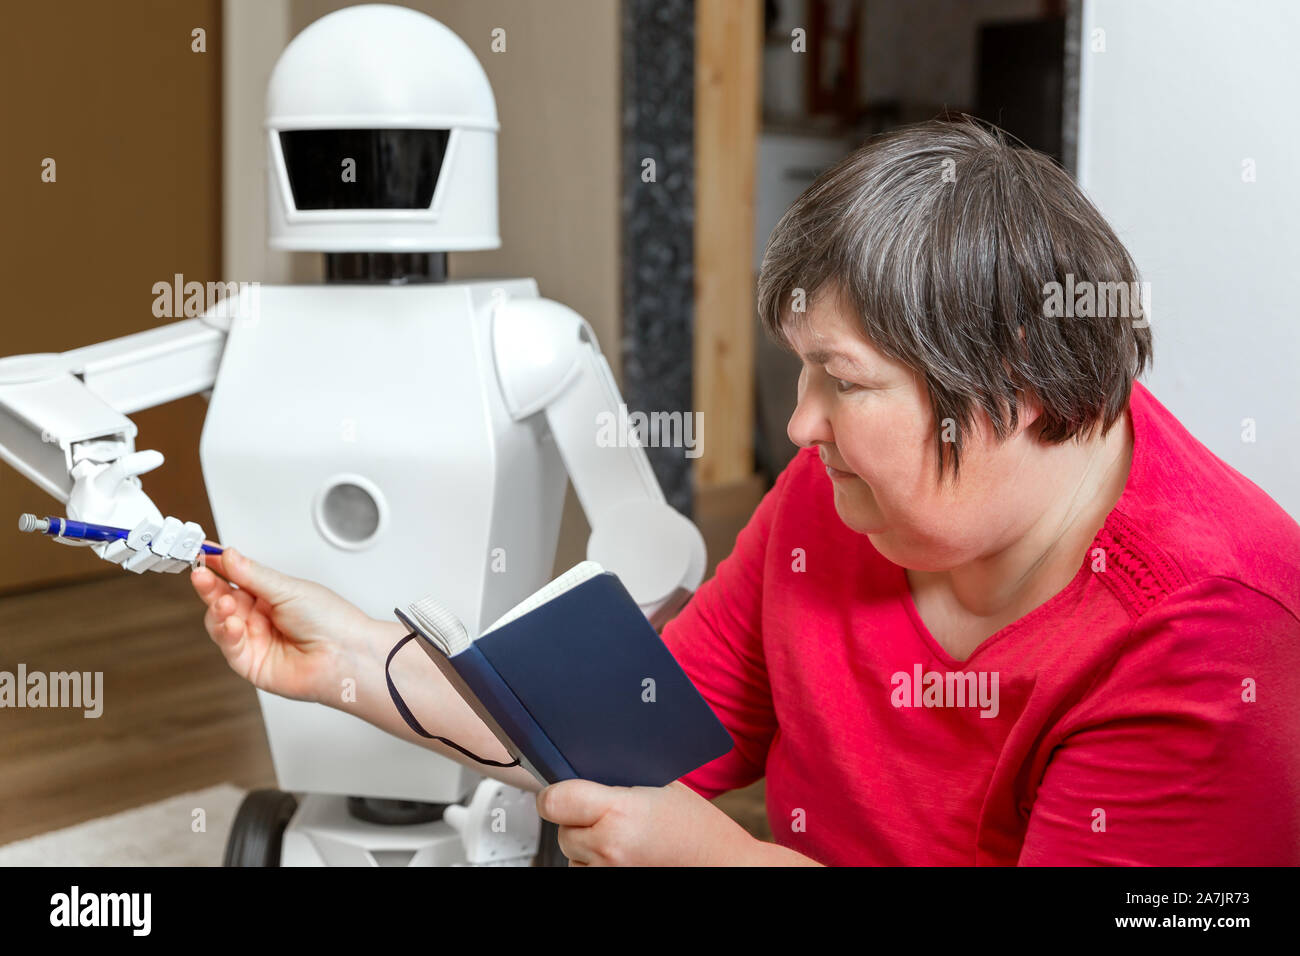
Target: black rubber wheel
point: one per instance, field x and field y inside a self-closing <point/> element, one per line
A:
<point x="258" y="830"/>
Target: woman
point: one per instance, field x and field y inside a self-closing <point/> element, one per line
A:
<point x="1002" y="608"/>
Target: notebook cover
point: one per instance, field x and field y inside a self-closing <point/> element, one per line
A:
<point x="488" y="696"/>
<point x="579" y="664"/>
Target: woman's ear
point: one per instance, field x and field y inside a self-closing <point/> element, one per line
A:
<point x="1031" y="409"/>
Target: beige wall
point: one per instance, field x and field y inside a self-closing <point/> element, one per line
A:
<point x="254" y="35"/>
<point x="130" y="113"/>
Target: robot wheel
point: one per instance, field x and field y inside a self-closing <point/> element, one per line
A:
<point x="259" y="827"/>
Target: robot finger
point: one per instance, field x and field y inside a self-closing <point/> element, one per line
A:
<point x="142" y="561"/>
<point x="189" y="544"/>
<point x="157" y="556"/>
<point x="176" y="545"/>
<point x="165" y="541"/>
<point x="142" y="534"/>
<point x="134" y="553"/>
<point x="117" y="552"/>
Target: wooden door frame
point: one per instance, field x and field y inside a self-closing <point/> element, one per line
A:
<point x="727" y="116"/>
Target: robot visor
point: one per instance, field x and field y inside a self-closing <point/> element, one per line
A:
<point x="363" y="168"/>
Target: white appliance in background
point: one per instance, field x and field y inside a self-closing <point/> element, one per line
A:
<point x="788" y="162"/>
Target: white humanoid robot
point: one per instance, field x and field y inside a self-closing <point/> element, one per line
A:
<point x="390" y="434"/>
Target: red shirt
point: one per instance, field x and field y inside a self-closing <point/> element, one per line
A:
<point x="1149" y="713"/>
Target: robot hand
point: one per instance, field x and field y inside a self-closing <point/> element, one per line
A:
<point x="109" y="493"/>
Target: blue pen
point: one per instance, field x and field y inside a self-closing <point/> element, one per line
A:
<point x="67" y="528"/>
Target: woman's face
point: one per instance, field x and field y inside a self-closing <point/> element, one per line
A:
<point x="871" y="421"/>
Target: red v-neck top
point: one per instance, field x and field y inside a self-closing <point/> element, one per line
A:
<point x="1149" y="713"/>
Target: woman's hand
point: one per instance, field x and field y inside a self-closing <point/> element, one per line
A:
<point x="646" y="826"/>
<point x="283" y="634"/>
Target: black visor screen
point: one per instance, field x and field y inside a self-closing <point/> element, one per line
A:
<point x="363" y="168"/>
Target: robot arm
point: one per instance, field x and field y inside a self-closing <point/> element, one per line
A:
<point x="63" y="426"/>
<point x="548" y="361"/>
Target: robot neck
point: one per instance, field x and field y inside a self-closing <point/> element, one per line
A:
<point x="391" y="268"/>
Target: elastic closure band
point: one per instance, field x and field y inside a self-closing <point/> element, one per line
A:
<point x="415" y="724"/>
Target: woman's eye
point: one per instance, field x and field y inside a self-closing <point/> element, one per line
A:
<point x="843" y="386"/>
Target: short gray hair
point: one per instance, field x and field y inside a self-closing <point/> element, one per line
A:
<point x="943" y="237"/>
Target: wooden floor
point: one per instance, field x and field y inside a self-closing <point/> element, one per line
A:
<point x="175" y="717"/>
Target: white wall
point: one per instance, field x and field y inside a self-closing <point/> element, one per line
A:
<point x="1185" y="93"/>
<point x="254" y="35"/>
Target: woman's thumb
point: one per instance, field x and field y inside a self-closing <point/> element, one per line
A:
<point x="256" y="578"/>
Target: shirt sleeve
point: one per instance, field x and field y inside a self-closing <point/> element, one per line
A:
<point x="717" y="639"/>
<point x="1186" y="752"/>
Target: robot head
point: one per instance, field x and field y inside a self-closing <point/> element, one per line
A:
<point x="381" y="129"/>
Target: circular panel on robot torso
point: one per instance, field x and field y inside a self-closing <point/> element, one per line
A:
<point x="350" y="511"/>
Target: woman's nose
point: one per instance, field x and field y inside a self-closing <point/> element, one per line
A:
<point x="809" y="425"/>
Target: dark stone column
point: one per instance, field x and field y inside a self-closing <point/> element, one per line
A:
<point x="1075" y="51"/>
<point x="659" y="222"/>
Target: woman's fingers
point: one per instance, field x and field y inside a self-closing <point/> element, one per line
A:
<point x="234" y="626"/>
<point x="569" y="839"/>
<point x="212" y="589"/>
<point x="233" y="616"/>
<point x="208" y="585"/>
<point x="212" y="560"/>
<point x="221" y="598"/>
<point x="217" y="628"/>
<point x="238" y="602"/>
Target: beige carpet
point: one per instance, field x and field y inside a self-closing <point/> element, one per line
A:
<point x="158" y="834"/>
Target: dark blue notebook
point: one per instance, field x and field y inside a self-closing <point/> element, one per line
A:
<point x="576" y="683"/>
